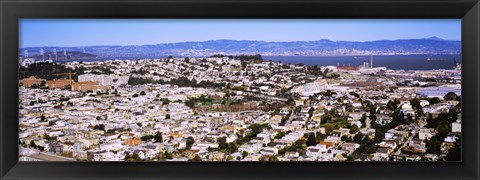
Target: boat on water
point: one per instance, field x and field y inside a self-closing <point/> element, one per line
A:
<point x="432" y="59"/>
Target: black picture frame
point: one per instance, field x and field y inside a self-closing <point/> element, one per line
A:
<point x="12" y="10"/>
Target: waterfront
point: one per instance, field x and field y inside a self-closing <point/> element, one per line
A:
<point x="396" y="62"/>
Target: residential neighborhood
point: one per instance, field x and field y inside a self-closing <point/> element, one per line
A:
<point x="236" y="108"/>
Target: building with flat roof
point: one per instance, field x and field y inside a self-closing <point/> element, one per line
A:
<point x="439" y="91"/>
<point x="59" y="83"/>
<point x="104" y="80"/>
<point x="29" y="82"/>
<point x="88" y="86"/>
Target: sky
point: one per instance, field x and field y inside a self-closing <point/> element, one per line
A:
<point x="88" y="32"/>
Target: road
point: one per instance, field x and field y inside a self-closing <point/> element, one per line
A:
<point x="406" y="142"/>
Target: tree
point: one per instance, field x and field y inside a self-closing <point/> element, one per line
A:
<point x="455" y="154"/>
<point x="358" y="138"/>
<point x="311" y="140"/>
<point x="256" y="129"/>
<point x="433" y="101"/>
<point x="190" y="142"/>
<point x="146" y="138"/>
<point x="329" y="128"/>
<point x="433" y="146"/>
<point x="43" y="118"/>
<point x="168" y="155"/>
<point x="158" y="137"/>
<point x="272" y="158"/>
<point x="133" y="157"/>
<point x="110" y="131"/>
<point x="167" y="116"/>
<point x="244" y="154"/>
<point x="165" y="101"/>
<point x="135" y="95"/>
<point x="222" y="142"/>
<point x="143" y="93"/>
<point x="354" y="129"/>
<point x="99" y="127"/>
<point x="33" y="145"/>
<point x="280" y="135"/>
<point x="350" y="158"/>
<point x="450" y="96"/>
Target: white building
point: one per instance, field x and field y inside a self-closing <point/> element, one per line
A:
<point x="104" y="80"/>
<point x="309" y="89"/>
<point x="457" y="126"/>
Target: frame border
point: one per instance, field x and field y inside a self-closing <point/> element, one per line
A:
<point x="13" y="10"/>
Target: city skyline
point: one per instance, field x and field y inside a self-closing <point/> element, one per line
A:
<point x="83" y="32"/>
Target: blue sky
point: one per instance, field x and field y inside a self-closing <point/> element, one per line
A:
<point x="86" y="32"/>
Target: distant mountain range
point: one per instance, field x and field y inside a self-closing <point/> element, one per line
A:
<point x="431" y="45"/>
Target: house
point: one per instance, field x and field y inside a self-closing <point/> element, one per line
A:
<point x="457" y="126"/>
<point x="383" y="119"/>
<point x="431" y="157"/>
<point x="418" y="146"/>
<point x="268" y="151"/>
<point x="381" y="154"/>
<point x="350" y="147"/>
<point x="60" y="83"/>
<point x="29" y="82"/>
<point x="275" y="120"/>
<point x="424" y="103"/>
<point x="218" y="156"/>
<point x="299" y="102"/>
<point x="249" y="147"/>
<point x="315" y="151"/>
<point x="426" y="133"/>
<point x="55" y="147"/>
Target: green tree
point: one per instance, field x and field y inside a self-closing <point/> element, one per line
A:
<point x="133" y="157"/>
<point x="358" y="138"/>
<point x="169" y="155"/>
<point x="143" y="93"/>
<point x="350" y="158"/>
<point x="272" y="158"/>
<point x="244" y="154"/>
<point x="329" y="128"/>
<point x="280" y="135"/>
<point x="354" y="129"/>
